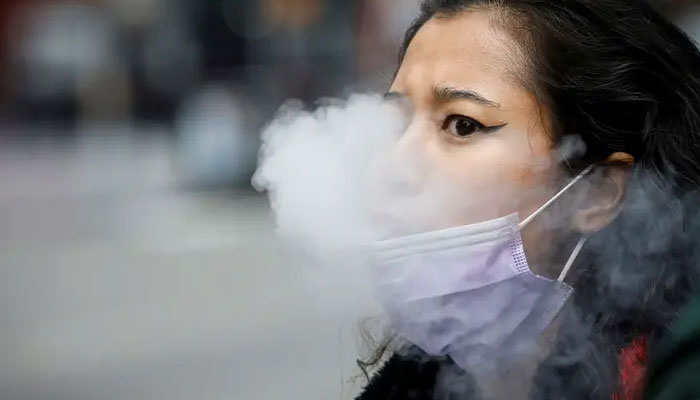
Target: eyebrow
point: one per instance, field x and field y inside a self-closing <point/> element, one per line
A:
<point x="448" y="94"/>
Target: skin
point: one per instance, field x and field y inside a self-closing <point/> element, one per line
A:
<point x="476" y="130"/>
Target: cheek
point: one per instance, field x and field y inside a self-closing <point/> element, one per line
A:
<point x="494" y="176"/>
<point x="436" y="183"/>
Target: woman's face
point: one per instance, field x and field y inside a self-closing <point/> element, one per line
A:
<point x="472" y="126"/>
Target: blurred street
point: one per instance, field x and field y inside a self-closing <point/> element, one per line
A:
<point x="132" y="288"/>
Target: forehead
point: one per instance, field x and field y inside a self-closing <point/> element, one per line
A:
<point x="467" y="50"/>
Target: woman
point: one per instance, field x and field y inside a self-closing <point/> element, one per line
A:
<point x="590" y="108"/>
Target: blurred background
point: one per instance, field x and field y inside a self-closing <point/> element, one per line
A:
<point x="135" y="260"/>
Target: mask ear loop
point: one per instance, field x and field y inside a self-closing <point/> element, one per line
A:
<point x="582" y="241"/>
<point x="556" y="196"/>
<point x="572" y="258"/>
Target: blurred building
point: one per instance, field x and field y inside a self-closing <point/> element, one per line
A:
<point x="67" y="63"/>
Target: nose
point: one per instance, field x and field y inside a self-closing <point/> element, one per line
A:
<point x="413" y="139"/>
<point x="408" y="160"/>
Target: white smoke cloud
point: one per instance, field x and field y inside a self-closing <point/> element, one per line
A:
<point x="316" y="168"/>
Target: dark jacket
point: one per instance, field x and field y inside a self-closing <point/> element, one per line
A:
<point x="417" y="376"/>
<point x="675" y="365"/>
<point x="414" y="376"/>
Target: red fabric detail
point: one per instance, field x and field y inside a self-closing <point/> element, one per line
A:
<point x="632" y="367"/>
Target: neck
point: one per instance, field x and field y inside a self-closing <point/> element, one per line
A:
<point x="517" y="382"/>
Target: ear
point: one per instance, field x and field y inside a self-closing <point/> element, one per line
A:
<point x="607" y="190"/>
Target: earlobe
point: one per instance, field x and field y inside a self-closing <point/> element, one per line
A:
<point x="607" y="190"/>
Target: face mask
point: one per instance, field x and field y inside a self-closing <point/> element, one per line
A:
<point x="468" y="292"/>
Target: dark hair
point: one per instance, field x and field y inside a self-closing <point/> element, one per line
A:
<point x="622" y="78"/>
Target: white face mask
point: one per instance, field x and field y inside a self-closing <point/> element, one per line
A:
<point x="468" y="291"/>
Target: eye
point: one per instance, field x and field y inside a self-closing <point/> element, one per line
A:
<point x="461" y="126"/>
